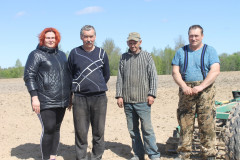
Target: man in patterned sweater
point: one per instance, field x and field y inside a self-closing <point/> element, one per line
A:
<point x="135" y="91"/>
<point x="90" y="72"/>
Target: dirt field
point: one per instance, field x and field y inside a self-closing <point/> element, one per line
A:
<point x="21" y="129"/>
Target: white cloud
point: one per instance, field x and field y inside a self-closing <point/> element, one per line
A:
<point x="20" y="14"/>
<point x="90" y="10"/>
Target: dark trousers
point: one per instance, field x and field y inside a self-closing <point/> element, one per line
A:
<point x="51" y="120"/>
<point x="86" y="110"/>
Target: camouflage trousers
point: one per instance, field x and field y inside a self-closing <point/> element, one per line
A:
<point x="202" y="104"/>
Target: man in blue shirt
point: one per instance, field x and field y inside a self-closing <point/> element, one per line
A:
<point x="195" y="68"/>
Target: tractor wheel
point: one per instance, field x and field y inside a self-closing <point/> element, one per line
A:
<point x="232" y="134"/>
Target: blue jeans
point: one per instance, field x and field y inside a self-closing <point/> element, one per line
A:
<point x="141" y="111"/>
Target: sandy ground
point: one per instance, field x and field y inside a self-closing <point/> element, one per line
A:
<point x="21" y="129"/>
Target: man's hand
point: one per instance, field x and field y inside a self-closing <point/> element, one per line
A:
<point x="187" y="90"/>
<point x="120" y="102"/>
<point x="70" y="103"/>
<point x="197" y="89"/>
<point x="150" y="100"/>
<point x="178" y="79"/>
<point x="36" y="104"/>
<point x="69" y="107"/>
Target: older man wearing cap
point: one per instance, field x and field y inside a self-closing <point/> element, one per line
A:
<point x="135" y="91"/>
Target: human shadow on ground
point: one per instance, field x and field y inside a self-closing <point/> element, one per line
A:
<point x="162" y="150"/>
<point x="25" y="151"/>
<point x="31" y="150"/>
<point x="122" y="150"/>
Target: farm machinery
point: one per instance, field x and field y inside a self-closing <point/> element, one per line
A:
<point x="227" y="132"/>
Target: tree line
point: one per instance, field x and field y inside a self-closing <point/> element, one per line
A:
<point x="162" y="59"/>
<point x="12" y="72"/>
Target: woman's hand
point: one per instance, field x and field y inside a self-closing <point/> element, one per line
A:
<point x="36" y="104"/>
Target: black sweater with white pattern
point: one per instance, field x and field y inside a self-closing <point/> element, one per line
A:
<point x="90" y="71"/>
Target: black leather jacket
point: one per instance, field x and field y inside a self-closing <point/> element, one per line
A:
<point x="46" y="72"/>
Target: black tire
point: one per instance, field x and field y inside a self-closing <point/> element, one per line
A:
<point x="232" y="134"/>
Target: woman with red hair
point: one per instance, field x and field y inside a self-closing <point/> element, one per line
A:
<point x="48" y="81"/>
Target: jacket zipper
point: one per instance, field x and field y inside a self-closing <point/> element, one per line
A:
<point x="60" y="74"/>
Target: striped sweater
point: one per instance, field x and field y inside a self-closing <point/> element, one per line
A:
<point x="137" y="77"/>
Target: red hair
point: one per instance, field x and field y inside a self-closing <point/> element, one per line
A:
<point x="42" y="36"/>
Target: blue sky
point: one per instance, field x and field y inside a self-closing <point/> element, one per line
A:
<point x="160" y="23"/>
